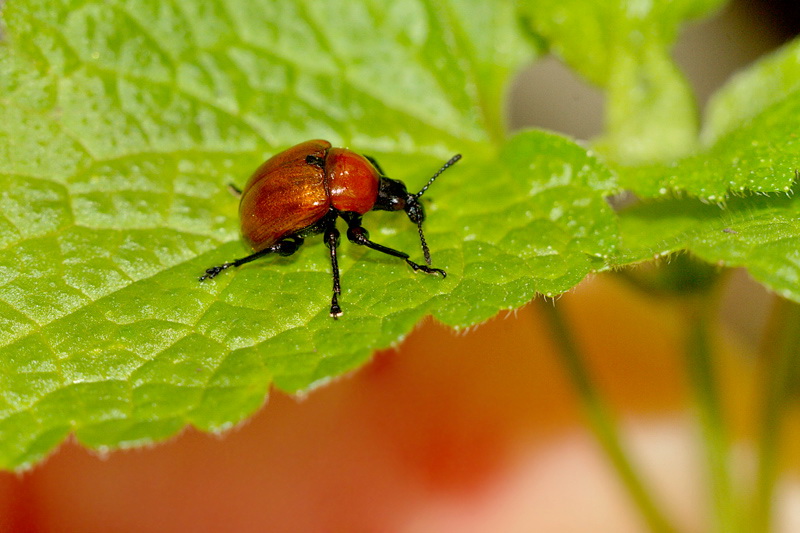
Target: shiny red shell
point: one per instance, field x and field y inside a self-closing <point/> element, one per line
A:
<point x="287" y="193"/>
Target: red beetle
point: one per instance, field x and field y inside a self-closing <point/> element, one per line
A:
<point x="303" y="190"/>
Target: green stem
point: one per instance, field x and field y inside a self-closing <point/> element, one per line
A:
<point x="601" y="421"/>
<point x="780" y="357"/>
<point x="712" y="421"/>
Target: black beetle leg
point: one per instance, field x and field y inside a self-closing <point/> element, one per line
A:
<point x="234" y="190"/>
<point x="286" y="246"/>
<point x="358" y="235"/>
<point x="332" y="241"/>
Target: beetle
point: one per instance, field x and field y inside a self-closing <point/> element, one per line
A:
<point x="303" y="190"/>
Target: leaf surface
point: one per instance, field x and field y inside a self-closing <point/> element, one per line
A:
<point x="121" y="124"/>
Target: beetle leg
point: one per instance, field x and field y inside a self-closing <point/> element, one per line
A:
<point x="284" y="247"/>
<point x="332" y="241"/>
<point x="358" y="235"/>
<point x="234" y="190"/>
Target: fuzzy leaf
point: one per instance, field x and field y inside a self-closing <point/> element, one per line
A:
<point x="759" y="232"/>
<point x="122" y="122"/>
<point x="752" y="138"/>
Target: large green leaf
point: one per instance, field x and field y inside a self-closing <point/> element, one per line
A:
<point x="122" y="122"/>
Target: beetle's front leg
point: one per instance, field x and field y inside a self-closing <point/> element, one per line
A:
<point x="332" y="241"/>
<point x="358" y="235"/>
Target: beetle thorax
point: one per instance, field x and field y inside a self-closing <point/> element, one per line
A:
<point x="352" y="181"/>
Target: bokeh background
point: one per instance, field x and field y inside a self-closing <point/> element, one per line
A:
<point x="475" y="431"/>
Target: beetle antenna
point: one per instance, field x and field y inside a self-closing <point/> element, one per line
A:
<point x="447" y="165"/>
<point x="425" y="251"/>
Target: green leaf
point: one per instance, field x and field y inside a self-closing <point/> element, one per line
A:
<point x="750" y="141"/>
<point x="749" y="167"/>
<point x="623" y="46"/>
<point x="122" y="122"/>
<point x="759" y="232"/>
<point x="752" y="135"/>
<point x="767" y="82"/>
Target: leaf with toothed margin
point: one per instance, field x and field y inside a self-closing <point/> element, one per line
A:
<point x="121" y="122"/>
<point x="756" y="231"/>
<point x="745" y="177"/>
<point x="761" y="155"/>
<point x="751" y="141"/>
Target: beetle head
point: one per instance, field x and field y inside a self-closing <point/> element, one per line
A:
<point x="393" y="196"/>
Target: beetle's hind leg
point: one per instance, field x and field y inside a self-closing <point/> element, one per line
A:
<point x="286" y="246"/>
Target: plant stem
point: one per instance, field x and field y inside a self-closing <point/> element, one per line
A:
<point x="780" y="350"/>
<point x="712" y="421"/>
<point x="601" y="420"/>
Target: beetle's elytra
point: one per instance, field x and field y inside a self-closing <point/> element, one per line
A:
<point x="303" y="190"/>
